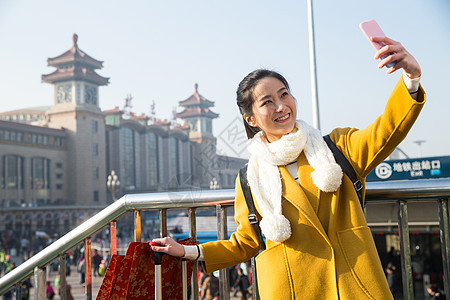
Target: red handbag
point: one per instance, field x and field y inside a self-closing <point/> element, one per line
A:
<point x="132" y="276"/>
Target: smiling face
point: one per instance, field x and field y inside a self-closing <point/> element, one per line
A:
<point x="274" y="110"/>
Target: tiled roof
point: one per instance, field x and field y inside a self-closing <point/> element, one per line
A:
<point x="31" y="110"/>
<point x="75" y="73"/>
<point x="197" y="112"/>
<point x="196" y="100"/>
<point x="73" y="55"/>
<point x="32" y="128"/>
<point x="114" y="111"/>
<point x="140" y="117"/>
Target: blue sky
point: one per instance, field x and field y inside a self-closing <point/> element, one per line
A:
<point x="157" y="51"/>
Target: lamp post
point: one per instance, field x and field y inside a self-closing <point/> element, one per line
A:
<point x="312" y="62"/>
<point x="113" y="184"/>
<point x="213" y="184"/>
<point x="419" y="146"/>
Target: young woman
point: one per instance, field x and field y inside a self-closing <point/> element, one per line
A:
<point x="318" y="242"/>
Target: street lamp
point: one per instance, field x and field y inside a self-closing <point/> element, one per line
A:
<point x="213" y="185"/>
<point x="419" y="146"/>
<point x="113" y="184"/>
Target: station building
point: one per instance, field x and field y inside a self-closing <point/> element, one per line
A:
<point x="55" y="160"/>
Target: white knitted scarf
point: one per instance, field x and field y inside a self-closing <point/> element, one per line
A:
<point x="265" y="180"/>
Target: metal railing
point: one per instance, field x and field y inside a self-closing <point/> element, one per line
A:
<point x="398" y="191"/>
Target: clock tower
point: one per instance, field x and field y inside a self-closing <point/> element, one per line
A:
<point x="76" y="109"/>
<point x="75" y="80"/>
<point x="198" y="116"/>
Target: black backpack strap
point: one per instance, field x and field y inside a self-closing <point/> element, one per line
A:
<point x="255" y="224"/>
<point x="251" y="206"/>
<point x="346" y="167"/>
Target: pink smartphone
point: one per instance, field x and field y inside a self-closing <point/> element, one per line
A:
<point x="371" y="28"/>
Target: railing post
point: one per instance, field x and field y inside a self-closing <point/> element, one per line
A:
<point x="163" y="222"/>
<point x="408" y="288"/>
<point x="88" y="253"/>
<point x="184" y="278"/>
<point x="137" y="225"/>
<point x="19" y="291"/>
<point x="222" y="231"/>
<point x="445" y="241"/>
<point x="113" y="237"/>
<point x="193" y="235"/>
<point x="40" y="292"/>
<point x="62" y="276"/>
<point x="158" y="276"/>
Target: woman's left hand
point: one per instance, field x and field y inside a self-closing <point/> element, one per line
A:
<point x="404" y="60"/>
<point x="169" y="246"/>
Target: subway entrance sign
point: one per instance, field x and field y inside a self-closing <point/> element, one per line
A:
<point x="418" y="168"/>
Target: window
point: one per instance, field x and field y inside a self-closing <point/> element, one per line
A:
<point x="96" y="173"/>
<point x="40" y="173"/>
<point x="59" y="165"/>
<point x="57" y="141"/>
<point x="96" y="197"/>
<point x="13" y="171"/>
<point x="95" y="149"/>
<point x="94" y="126"/>
<point x="173" y="162"/>
<point x="59" y="176"/>
<point x="153" y="158"/>
<point x="207" y="127"/>
<point x="128" y="159"/>
<point x="59" y="186"/>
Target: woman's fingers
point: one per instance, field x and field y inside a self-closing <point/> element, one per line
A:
<point x="161" y="241"/>
<point x="159" y="249"/>
<point x="394" y="52"/>
<point x="169" y="246"/>
<point x="392" y="57"/>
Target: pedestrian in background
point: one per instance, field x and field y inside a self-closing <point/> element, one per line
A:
<point x="210" y="287"/>
<point x="50" y="292"/>
<point x="242" y="284"/>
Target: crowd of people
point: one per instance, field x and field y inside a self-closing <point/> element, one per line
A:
<point x="240" y="282"/>
<point x="75" y="259"/>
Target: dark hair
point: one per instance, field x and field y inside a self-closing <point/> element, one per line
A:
<point x="244" y="94"/>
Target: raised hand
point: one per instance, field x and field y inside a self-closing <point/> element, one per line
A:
<point x="404" y="60"/>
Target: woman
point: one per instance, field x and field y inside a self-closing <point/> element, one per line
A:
<point x="318" y="242"/>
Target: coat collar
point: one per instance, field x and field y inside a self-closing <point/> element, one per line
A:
<point x="295" y="194"/>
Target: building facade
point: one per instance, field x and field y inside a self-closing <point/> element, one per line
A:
<point x="55" y="160"/>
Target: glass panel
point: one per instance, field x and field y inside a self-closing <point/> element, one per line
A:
<point x="153" y="159"/>
<point x="94" y="126"/>
<point x="128" y="158"/>
<point x="12" y="171"/>
<point x="40" y="173"/>
<point x="95" y="149"/>
<point x="173" y="162"/>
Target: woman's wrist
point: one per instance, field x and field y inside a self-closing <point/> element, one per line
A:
<point x="193" y="252"/>
<point x="411" y="84"/>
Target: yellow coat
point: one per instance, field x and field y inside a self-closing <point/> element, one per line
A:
<point x="331" y="253"/>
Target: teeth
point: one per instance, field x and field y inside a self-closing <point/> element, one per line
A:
<point x="283" y="118"/>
